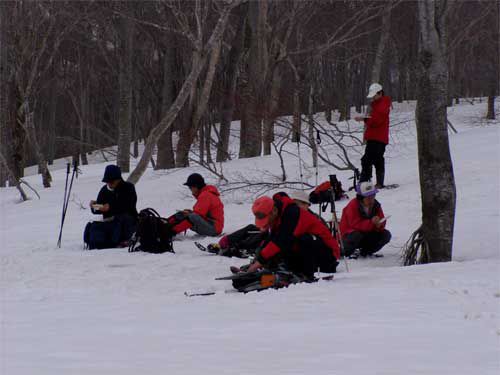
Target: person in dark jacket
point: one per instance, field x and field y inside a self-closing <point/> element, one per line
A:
<point x="116" y="202"/>
<point x="207" y="216"/>
<point x="363" y="223"/>
<point x="376" y="134"/>
<point x="297" y="237"/>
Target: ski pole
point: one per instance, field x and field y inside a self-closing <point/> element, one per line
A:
<point x="335" y="222"/>
<point x="64" y="205"/>
<point x="67" y="193"/>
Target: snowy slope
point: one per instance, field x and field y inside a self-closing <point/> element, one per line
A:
<point x="69" y="311"/>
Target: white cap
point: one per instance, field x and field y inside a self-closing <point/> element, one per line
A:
<point x="301" y="196"/>
<point x="374" y="88"/>
<point x="366" y="189"/>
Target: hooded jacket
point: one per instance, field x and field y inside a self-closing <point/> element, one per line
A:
<point x="377" y="125"/>
<point x="209" y="206"/>
<point x="293" y="223"/>
<point x="355" y="219"/>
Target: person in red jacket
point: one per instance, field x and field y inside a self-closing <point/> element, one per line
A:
<point x="362" y="224"/>
<point x="207" y="216"/>
<point x="297" y="238"/>
<point x="376" y="134"/>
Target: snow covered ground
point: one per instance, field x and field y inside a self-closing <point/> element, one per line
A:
<point x="69" y="311"/>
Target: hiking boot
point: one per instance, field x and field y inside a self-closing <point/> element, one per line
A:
<point x="214" y="248"/>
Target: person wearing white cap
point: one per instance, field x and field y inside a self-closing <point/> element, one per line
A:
<point x="363" y="223"/>
<point x="301" y="199"/>
<point x="376" y="134"/>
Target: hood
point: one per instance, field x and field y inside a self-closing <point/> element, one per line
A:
<point x="210" y="189"/>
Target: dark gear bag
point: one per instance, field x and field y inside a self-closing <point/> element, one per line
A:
<point x="102" y="234"/>
<point x="322" y="192"/>
<point x="154" y="234"/>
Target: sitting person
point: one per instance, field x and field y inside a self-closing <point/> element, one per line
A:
<point x="207" y="216"/>
<point x="116" y="202"/>
<point x="362" y="224"/>
<point x="297" y="238"/>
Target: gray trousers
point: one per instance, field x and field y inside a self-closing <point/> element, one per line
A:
<point x="201" y="226"/>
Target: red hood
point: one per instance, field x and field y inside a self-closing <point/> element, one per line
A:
<point x="209" y="189"/>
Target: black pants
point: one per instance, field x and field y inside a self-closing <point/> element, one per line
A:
<point x="248" y="238"/>
<point x="374" y="156"/>
<point x="312" y="254"/>
<point x="368" y="242"/>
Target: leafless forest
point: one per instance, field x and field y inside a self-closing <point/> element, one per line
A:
<point x="77" y="76"/>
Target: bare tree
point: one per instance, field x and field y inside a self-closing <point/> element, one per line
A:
<point x="184" y="92"/>
<point x="126" y="88"/>
<point x="437" y="182"/>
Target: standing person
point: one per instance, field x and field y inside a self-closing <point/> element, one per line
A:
<point x="362" y="224"/>
<point x="297" y="237"/>
<point x="207" y="216"/>
<point x="116" y="202"/>
<point x="376" y="134"/>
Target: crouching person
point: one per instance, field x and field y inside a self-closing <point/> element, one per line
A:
<point x="207" y="216"/>
<point x="297" y="238"/>
<point x="362" y="224"/>
<point x="116" y="202"/>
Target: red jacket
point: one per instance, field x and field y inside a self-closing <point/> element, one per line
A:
<point x="377" y="125"/>
<point x="209" y="206"/>
<point x="292" y="224"/>
<point x="355" y="219"/>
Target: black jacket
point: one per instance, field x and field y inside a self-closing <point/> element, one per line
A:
<point x="121" y="200"/>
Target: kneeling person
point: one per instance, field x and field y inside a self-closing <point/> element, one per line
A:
<point x="297" y="237"/>
<point x="207" y="216"/>
<point x="362" y="224"/>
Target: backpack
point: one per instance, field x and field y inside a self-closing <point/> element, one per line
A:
<point x="154" y="233"/>
<point x="101" y="234"/>
<point x="321" y="194"/>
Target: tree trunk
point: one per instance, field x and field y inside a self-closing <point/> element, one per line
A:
<point x="6" y="99"/>
<point x="229" y="91"/>
<point x="382" y="44"/>
<point x="271" y="110"/>
<point x="208" y="138"/>
<point x="165" y="158"/>
<point x="126" y="94"/>
<point x="40" y="157"/>
<point x="252" y="114"/>
<point x="491" y="108"/>
<point x="15" y="181"/>
<point x="310" y="117"/>
<point x="437" y="182"/>
<point x="181" y="98"/>
<point x="187" y="135"/>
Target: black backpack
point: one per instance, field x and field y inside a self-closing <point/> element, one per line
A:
<point x="321" y="194"/>
<point x="154" y="234"/>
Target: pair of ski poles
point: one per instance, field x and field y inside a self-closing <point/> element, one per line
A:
<point x="67" y="193"/>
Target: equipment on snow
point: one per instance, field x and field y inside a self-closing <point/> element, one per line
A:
<point x="321" y="194"/>
<point x="154" y="234"/>
<point x="265" y="279"/>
